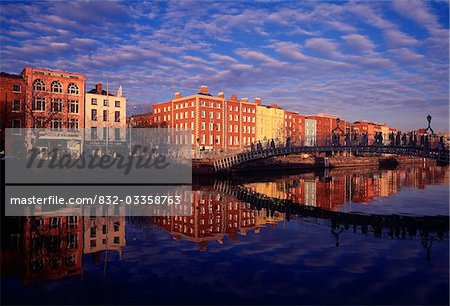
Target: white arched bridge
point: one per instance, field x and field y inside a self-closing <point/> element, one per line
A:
<point x="234" y="161"/>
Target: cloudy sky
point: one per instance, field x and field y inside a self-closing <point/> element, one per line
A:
<point x="383" y="61"/>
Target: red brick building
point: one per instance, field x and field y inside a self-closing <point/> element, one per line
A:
<point x="215" y="122"/>
<point x="240" y="122"/>
<point x="294" y="125"/>
<point x="53" y="99"/>
<point x="12" y="97"/>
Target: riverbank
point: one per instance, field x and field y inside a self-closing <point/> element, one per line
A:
<point x="295" y="162"/>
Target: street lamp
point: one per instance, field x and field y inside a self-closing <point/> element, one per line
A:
<point x="429" y="125"/>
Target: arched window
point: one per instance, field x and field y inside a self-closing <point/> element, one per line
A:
<point x="72" y="89"/>
<point x="39" y="85"/>
<point x="56" y="87"/>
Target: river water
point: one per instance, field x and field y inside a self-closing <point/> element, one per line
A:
<point x="232" y="251"/>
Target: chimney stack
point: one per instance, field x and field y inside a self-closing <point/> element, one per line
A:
<point x="98" y="88"/>
<point x="204" y="89"/>
<point x="274" y="105"/>
<point x="177" y="95"/>
<point x="234" y="97"/>
<point x="221" y="94"/>
<point x="258" y="101"/>
<point x="244" y="100"/>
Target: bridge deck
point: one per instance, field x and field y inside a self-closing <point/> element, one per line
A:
<point x="229" y="162"/>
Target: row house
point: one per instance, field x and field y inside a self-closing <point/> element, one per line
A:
<point x="270" y="123"/>
<point x="105" y="114"/>
<point x="214" y="121"/>
<point x="294" y="125"/>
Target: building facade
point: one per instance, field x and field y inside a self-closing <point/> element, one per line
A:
<point x="294" y="125"/>
<point x="105" y="114"/>
<point x="53" y="99"/>
<point x="270" y="123"/>
<point x="310" y="132"/>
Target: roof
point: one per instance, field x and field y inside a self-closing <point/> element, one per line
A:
<point x="94" y="91"/>
<point x="10" y="75"/>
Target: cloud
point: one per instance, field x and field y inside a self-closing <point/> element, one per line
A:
<point x="358" y="43"/>
<point x="323" y="46"/>
<point x="396" y="38"/>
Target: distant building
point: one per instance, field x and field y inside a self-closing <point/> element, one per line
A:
<point x="310" y="132"/>
<point x="294" y="125"/>
<point x="270" y="123"/>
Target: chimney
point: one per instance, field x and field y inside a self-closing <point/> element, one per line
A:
<point x="244" y="100"/>
<point x="204" y="89"/>
<point x="177" y="95"/>
<point x="119" y="91"/>
<point x="233" y="97"/>
<point x="258" y="101"/>
<point x="274" y="106"/>
<point x="98" y="88"/>
<point x="221" y="94"/>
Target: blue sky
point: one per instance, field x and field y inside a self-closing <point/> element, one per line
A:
<point x="384" y="61"/>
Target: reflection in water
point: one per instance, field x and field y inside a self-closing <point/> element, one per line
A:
<point x="342" y="186"/>
<point x="40" y="250"/>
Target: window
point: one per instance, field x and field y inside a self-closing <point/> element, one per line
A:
<point x="117" y="116"/>
<point x="94" y="115"/>
<point x="117" y="134"/>
<point x="39" y="85"/>
<point x="72" y="89"/>
<point x="16" y="105"/>
<point x="105" y="102"/>
<point x="39" y="122"/>
<point x="218" y="115"/>
<point x="94" y="101"/>
<point x="56" y="105"/>
<point x="203" y="103"/>
<point x="15" y="124"/>
<point x="105" y="115"/>
<point x="72" y="123"/>
<point x="56" y="123"/>
<point x="73" y="106"/>
<point x="39" y="104"/>
<point x="117" y="103"/>
<point x="203" y="126"/>
<point x="116" y="240"/>
<point x="56" y="87"/>
<point x="203" y="114"/>
<point x="211" y="115"/>
<point x="93" y="133"/>
<point x="16" y="88"/>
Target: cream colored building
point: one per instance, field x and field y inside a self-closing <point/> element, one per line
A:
<point x="105" y="112"/>
<point x="270" y="123"/>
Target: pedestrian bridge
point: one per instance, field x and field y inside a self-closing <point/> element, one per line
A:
<point x="234" y="161"/>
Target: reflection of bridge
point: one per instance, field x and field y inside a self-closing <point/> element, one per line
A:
<point x="230" y="162"/>
<point x="389" y="226"/>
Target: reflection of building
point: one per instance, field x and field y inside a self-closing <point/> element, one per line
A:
<point x="104" y="234"/>
<point x="52" y="247"/>
<point x="214" y="216"/>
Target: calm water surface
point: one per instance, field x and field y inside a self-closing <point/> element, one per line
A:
<point x="230" y="252"/>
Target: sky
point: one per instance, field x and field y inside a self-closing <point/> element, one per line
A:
<point x="384" y="61"/>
